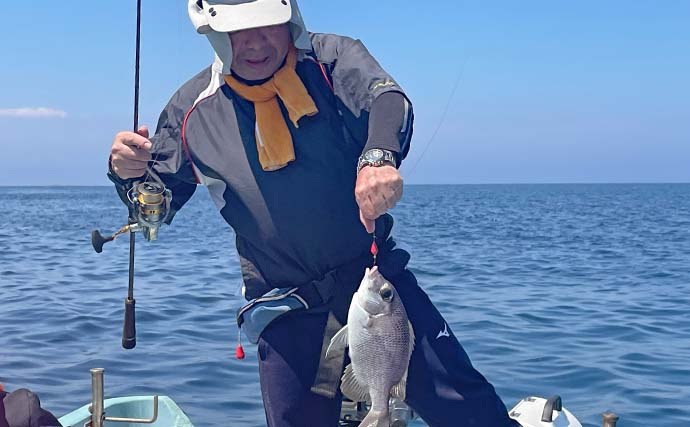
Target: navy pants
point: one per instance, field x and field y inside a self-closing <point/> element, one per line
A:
<point x="442" y="386"/>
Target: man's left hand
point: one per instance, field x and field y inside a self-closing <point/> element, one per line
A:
<point x="378" y="189"/>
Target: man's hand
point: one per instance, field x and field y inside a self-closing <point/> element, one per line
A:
<point x="130" y="153"/>
<point x="378" y="189"/>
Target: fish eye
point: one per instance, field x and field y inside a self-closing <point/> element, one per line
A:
<point x="386" y="293"/>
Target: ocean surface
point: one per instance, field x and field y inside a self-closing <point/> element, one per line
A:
<point x="576" y="290"/>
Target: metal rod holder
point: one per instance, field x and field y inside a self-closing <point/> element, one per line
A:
<point x="97" y="407"/>
<point x="609" y="419"/>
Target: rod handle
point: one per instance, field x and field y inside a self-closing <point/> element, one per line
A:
<point x="129" y="330"/>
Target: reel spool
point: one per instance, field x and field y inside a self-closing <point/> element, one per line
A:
<point x="151" y="202"/>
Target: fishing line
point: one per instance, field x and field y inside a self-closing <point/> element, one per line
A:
<point x="441" y="120"/>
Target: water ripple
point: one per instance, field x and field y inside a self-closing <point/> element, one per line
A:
<point x="577" y="290"/>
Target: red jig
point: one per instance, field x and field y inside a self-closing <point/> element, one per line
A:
<point x="374" y="249"/>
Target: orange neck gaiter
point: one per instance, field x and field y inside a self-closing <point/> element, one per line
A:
<point x="273" y="139"/>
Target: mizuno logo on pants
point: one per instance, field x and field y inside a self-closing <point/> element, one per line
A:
<point x="444" y="332"/>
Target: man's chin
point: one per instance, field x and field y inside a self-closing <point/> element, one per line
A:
<point x="256" y="71"/>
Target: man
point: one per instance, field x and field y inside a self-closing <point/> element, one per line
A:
<point x="298" y="137"/>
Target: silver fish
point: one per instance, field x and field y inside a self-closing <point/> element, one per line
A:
<point x="380" y="339"/>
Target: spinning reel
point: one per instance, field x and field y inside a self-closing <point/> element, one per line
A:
<point x="150" y="205"/>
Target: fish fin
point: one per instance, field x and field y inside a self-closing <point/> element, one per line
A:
<point x="339" y="341"/>
<point x="376" y="419"/>
<point x="353" y="389"/>
<point x="399" y="390"/>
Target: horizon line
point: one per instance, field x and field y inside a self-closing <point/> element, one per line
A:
<point x="413" y="184"/>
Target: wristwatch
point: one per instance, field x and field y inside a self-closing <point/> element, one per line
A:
<point x="376" y="157"/>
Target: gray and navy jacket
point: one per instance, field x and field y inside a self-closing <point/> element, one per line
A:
<point x="295" y="224"/>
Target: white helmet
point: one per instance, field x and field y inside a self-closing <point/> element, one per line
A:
<point x="216" y="18"/>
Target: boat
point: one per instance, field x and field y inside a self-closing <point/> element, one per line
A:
<point x="132" y="407"/>
<point x="162" y="411"/>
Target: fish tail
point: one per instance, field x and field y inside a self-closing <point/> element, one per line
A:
<point x="376" y="419"/>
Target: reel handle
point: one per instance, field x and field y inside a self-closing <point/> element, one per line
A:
<point x="129" y="330"/>
<point x="98" y="240"/>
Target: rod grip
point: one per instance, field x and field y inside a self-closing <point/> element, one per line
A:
<point x="129" y="330"/>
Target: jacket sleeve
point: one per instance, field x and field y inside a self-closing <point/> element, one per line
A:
<point x="359" y="82"/>
<point x="170" y="161"/>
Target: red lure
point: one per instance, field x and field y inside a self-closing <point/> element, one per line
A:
<point x="374" y="249"/>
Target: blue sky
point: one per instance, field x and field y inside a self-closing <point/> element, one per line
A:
<point x="547" y="91"/>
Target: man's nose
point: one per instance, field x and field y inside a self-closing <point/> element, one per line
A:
<point x="255" y="38"/>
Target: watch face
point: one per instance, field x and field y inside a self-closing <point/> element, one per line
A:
<point x="374" y="155"/>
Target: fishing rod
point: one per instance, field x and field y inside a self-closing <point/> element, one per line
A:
<point x="148" y="209"/>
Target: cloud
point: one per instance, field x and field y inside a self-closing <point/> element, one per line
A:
<point x="32" y="112"/>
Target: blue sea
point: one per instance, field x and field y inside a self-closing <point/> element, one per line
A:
<point x="576" y="290"/>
